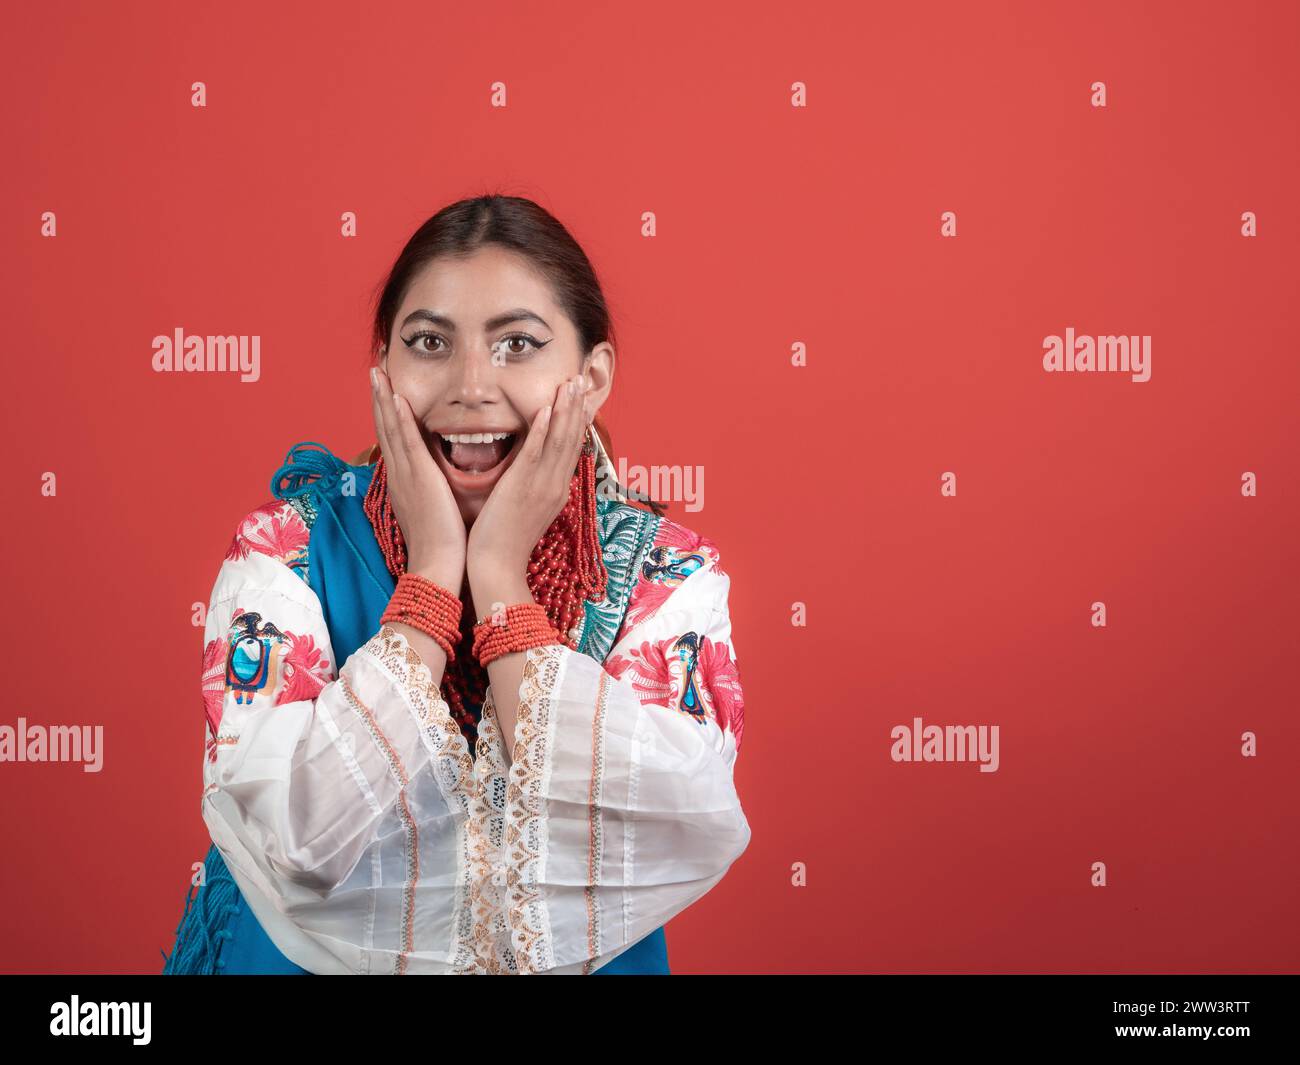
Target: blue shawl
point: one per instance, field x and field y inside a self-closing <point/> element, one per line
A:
<point x="344" y="566"/>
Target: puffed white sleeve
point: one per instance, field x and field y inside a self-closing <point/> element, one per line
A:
<point x="303" y="762"/>
<point x="621" y="807"/>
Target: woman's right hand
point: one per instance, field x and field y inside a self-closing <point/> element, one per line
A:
<point x="422" y="500"/>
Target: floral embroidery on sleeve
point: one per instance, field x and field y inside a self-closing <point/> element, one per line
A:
<point x="214" y="686"/>
<point x="264" y="660"/>
<point x="677" y="553"/>
<point x="254" y="656"/>
<point x="275" y="529"/>
<point x="721" y="679"/>
<point x="689" y="673"/>
<point x="306" y="670"/>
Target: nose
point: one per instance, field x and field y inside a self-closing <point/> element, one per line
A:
<point x="474" y="377"/>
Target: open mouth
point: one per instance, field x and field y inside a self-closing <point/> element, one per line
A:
<point x="476" y="452"/>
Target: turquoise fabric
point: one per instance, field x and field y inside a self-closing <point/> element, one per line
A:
<point x="345" y="568"/>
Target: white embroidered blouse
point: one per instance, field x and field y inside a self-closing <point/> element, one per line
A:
<point x="367" y="837"/>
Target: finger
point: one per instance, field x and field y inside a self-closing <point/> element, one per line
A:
<point x="547" y="464"/>
<point x="532" y="450"/>
<point x="375" y="409"/>
<point x="565" y="438"/>
<point x="394" y="450"/>
<point x="409" y="439"/>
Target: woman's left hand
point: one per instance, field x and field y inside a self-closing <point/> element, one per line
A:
<point x="532" y="491"/>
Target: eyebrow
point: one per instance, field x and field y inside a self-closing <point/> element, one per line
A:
<point x="519" y="314"/>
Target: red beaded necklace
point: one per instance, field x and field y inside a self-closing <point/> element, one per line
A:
<point x="565" y="569"/>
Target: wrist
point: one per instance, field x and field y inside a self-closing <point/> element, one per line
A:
<point x="481" y="566"/>
<point x="446" y="576"/>
<point x="488" y="590"/>
<point x="486" y="569"/>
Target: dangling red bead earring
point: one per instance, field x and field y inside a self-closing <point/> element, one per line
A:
<point x="593" y="578"/>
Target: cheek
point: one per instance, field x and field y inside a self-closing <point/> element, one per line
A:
<point x="415" y="387"/>
<point x="530" y="401"/>
<point x="547" y="389"/>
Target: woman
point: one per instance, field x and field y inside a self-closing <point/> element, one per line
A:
<point x="469" y="710"/>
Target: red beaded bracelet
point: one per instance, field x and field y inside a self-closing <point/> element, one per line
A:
<point x="526" y="625"/>
<point x="428" y="607"/>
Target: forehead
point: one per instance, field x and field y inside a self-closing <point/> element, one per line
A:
<point x="475" y="288"/>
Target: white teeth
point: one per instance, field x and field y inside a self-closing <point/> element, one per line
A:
<point x="473" y="438"/>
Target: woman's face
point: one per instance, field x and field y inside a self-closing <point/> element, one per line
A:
<point x="480" y="346"/>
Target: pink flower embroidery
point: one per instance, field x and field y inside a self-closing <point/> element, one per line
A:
<point x="721" y="677"/>
<point x="660" y="673"/>
<point x="677" y="552"/>
<point x="671" y="534"/>
<point x="646" y="670"/>
<point x="214" y="681"/>
<point x="647" y="597"/>
<point x="306" y="670"/>
<point x="274" y="529"/>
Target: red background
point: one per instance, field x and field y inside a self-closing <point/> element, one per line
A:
<point x="775" y="225"/>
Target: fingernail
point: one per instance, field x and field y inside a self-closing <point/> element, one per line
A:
<point x="374" y="378"/>
<point x="397" y="401"/>
<point x="573" y="388"/>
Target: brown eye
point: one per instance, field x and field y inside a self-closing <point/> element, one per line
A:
<point x="508" y="344"/>
<point x="414" y="343"/>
